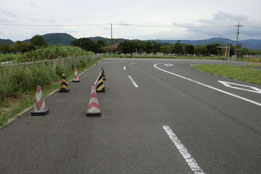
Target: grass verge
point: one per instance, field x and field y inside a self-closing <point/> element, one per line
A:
<point x="9" y="57"/>
<point x="162" y="57"/>
<point x="239" y="72"/>
<point x="10" y="108"/>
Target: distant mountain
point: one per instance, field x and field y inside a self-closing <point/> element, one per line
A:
<point x="6" y="41"/>
<point x="57" y="38"/>
<point x="66" y="39"/>
<point x="251" y="43"/>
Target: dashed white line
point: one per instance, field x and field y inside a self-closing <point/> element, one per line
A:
<point x="124" y="68"/>
<point x="133" y="82"/>
<point x="183" y="151"/>
<point x="208" y="86"/>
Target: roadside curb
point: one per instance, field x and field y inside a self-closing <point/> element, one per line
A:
<point x="13" y="118"/>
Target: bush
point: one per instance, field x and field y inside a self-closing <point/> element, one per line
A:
<point x="53" y="52"/>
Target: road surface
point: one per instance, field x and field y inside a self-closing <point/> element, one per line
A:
<point x="158" y="116"/>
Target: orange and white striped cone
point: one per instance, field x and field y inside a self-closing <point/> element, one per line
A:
<point x="93" y="108"/>
<point x="76" y="77"/>
<point x="39" y="105"/>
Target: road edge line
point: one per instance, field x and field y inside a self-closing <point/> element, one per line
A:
<point x="208" y="86"/>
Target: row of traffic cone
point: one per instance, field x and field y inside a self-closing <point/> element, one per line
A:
<point x="93" y="108"/>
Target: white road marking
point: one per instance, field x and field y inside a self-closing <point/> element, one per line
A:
<point x="124" y="68"/>
<point x="133" y="82"/>
<point x="237" y="86"/>
<point x="168" y="64"/>
<point x="208" y="86"/>
<point x="183" y="151"/>
<point x="132" y="63"/>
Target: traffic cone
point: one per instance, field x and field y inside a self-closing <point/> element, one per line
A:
<point x="64" y="85"/>
<point x="103" y="74"/>
<point x="39" y="104"/>
<point x="100" y="86"/>
<point x="93" y="108"/>
<point x="76" y="77"/>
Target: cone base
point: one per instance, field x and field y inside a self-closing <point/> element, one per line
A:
<point x="98" y="114"/>
<point x="75" y="80"/>
<point x="40" y="113"/>
<point x="63" y="90"/>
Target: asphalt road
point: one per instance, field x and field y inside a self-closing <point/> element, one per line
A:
<point x="208" y="126"/>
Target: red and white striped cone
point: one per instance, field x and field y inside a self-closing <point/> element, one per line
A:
<point x="39" y="105"/>
<point x="76" y="77"/>
<point x="93" y="108"/>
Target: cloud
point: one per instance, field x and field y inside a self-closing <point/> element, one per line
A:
<point x="222" y="24"/>
<point x="33" y="4"/>
<point x="2" y="20"/>
<point x="9" y="14"/>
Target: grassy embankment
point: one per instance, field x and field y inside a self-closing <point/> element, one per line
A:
<point x="9" y="57"/>
<point x="162" y="57"/>
<point x="18" y="83"/>
<point x="245" y="73"/>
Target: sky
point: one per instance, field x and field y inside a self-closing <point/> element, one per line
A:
<point x="131" y="19"/>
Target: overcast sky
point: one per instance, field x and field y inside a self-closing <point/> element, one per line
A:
<point x="190" y="19"/>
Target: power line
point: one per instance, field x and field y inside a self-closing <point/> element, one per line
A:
<point x="171" y="26"/>
<point x="52" y="25"/>
<point x="126" y="25"/>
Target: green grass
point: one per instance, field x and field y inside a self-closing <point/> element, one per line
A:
<point x="9" y="57"/>
<point x="239" y="72"/>
<point x="16" y="102"/>
<point x="53" y="52"/>
<point x="162" y="57"/>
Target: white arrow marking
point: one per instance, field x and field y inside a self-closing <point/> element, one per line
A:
<point x="238" y="86"/>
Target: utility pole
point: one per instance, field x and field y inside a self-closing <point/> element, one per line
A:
<point x="111" y="38"/>
<point x="238" y="26"/>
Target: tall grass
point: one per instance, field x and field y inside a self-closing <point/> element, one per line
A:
<point x="9" y="57"/>
<point x="16" y="80"/>
<point x="53" y="52"/>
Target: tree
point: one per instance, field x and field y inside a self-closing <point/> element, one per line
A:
<point x="189" y="49"/>
<point x="21" y="47"/>
<point x="4" y="48"/>
<point x="177" y="48"/>
<point x="165" y="49"/>
<point x="38" y="41"/>
<point x="212" y="49"/>
<point x="128" y="46"/>
<point x="200" y="50"/>
<point x="88" y="45"/>
<point x="102" y="43"/>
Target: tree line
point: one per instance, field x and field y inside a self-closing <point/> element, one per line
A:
<point x="21" y="47"/>
<point x="139" y="47"/>
<point x="132" y="46"/>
